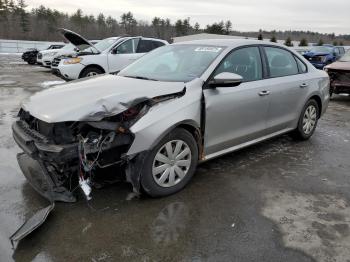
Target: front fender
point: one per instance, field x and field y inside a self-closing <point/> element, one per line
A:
<point x="165" y="116"/>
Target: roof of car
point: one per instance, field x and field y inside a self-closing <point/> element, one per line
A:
<point x="228" y="42"/>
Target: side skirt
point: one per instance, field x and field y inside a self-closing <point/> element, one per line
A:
<point x="243" y="145"/>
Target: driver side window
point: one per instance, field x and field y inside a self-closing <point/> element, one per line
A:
<point x="128" y="47"/>
<point x="245" y="62"/>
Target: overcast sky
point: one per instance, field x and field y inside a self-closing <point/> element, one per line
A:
<point x="246" y="15"/>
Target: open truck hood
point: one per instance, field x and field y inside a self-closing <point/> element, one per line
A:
<point x="80" y="42"/>
<point x="95" y="98"/>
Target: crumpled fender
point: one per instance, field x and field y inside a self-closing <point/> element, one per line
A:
<point x="163" y="117"/>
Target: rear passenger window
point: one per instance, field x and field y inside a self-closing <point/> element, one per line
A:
<point x="281" y="62"/>
<point x="245" y="62"/>
<point x="157" y="44"/>
<point x="146" y="46"/>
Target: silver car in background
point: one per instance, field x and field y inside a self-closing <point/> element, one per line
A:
<point x="158" y="118"/>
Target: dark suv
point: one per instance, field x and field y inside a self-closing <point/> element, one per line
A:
<point x="30" y="55"/>
<point x="320" y="56"/>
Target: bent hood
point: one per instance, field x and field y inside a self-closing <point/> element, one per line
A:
<point x="339" y="66"/>
<point x="95" y="98"/>
<point x="80" y="42"/>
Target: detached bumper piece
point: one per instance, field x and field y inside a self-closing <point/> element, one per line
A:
<point x="31" y="224"/>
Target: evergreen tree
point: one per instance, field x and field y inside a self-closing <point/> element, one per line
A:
<point x="288" y="42"/>
<point x="303" y="42"/>
<point x="260" y="37"/>
<point x="335" y="43"/>
<point x="320" y="42"/>
<point x="273" y="39"/>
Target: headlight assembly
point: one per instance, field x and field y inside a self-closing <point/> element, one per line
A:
<point x="71" y="61"/>
<point x="324" y="59"/>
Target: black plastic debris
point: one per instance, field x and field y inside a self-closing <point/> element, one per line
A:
<point x="39" y="178"/>
<point x="31" y="224"/>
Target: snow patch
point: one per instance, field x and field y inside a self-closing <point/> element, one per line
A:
<point x="18" y="63"/>
<point x="7" y="82"/>
<point x="51" y="83"/>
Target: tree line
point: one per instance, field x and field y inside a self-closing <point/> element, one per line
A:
<point x="41" y="23"/>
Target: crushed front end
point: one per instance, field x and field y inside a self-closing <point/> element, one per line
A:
<point x="340" y="81"/>
<point x="59" y="157"/>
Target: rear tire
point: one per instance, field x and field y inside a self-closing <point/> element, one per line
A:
<point x="307" y="121"/>
<point x="170" y="165"/>
<point x="91" y="71"/>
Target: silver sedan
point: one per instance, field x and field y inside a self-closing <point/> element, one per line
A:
<point x="175" y="107"/>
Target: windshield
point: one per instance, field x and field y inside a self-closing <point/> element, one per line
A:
<point x="345" y="57"/>
<point x="68" y="47"/>
<point x="322" y="49"/>
<point x="105" y="43"/>
<point x="173" y="63"/>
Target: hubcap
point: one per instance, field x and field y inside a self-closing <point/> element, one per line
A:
<point x="91" y="74"/>
<point x="171" y="163"/>
<point x="309" y="120"/>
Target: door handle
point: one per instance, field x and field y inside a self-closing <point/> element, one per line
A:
<point x="303" y="85"/>
<point x="264" y="93"/>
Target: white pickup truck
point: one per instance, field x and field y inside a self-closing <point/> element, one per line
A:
<point x="107" y="56"/>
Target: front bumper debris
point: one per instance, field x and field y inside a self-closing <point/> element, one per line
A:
<point x="31" y="224"/>
<point x="36" y="159"/>
<point x="39" y="178"/>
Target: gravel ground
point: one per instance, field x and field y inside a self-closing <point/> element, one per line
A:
<point x="280" y="200"/>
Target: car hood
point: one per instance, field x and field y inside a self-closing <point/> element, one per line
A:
<point x="95" y="98"/>
<point x="339" y="66"/>
<point x="80" y="42"/>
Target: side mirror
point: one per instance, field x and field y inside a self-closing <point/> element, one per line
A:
<point x="226" y="79"/>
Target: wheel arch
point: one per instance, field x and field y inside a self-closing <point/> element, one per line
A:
<point x="319" y="103"/>
<point x="91" y="66"/>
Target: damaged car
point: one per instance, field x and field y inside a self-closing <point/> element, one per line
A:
<point x="339" y="73"/>
<point x="110" y="55"/>
<point x="175" y="107"/>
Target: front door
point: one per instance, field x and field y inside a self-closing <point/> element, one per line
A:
<point x="123" y="55"/>
<point x="236" y="115"/>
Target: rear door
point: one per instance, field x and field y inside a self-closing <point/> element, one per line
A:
<point x="288" y="85"/>
<point x="123" y="54"/>
<point x="235" y="115"/>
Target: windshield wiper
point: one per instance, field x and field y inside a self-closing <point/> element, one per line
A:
<point x="142" y="77"/>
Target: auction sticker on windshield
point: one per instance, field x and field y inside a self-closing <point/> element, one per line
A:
<point x="208" y="49"/>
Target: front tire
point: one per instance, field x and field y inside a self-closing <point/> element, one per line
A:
<point x="91" y="71"/>
<point x="171" y="164"/>
<point x="308" y="121"/>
